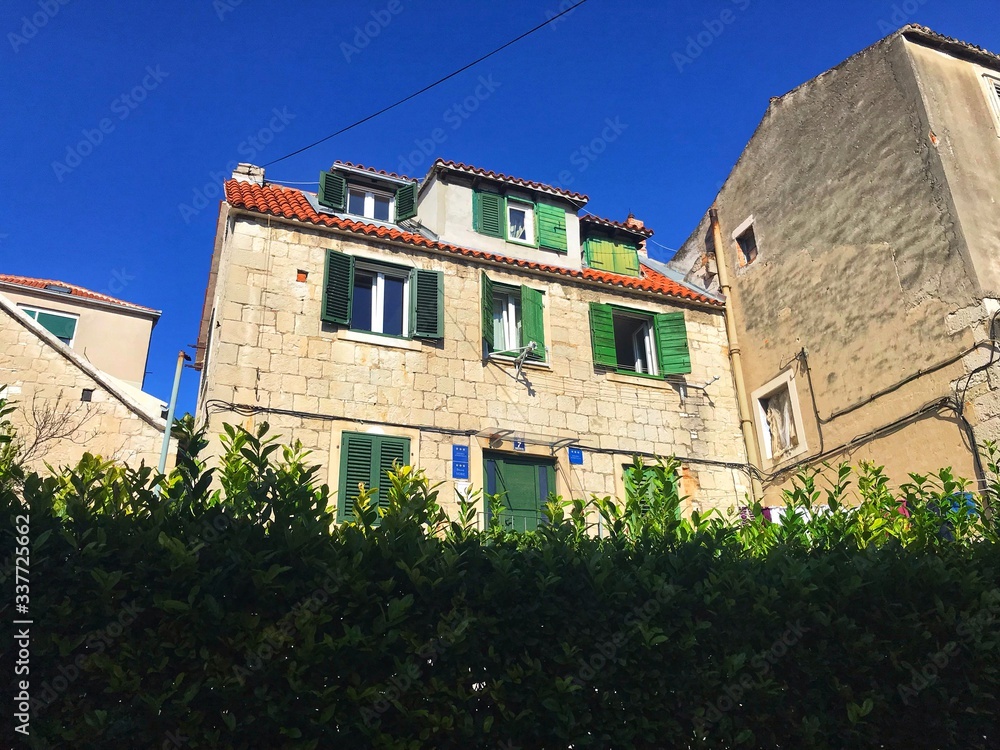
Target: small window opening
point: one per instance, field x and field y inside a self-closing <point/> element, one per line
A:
<point x="301" y="275"/>
<point x="748" y="246"/>
<point x="87" y="395"/>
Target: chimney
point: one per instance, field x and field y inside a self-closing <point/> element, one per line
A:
<point x="635" y="223"/>
<point x="249" y="173"/>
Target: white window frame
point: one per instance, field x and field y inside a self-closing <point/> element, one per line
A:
<point x="784" y="381"/>
<point x="529" y="221"/>
<point x="748" y="224"/>
<point x="991" y="83"/>
<point x="378" y="296"/>
<point x="369" y="198"/>
<point x="59" y="314"/>
<point x="648" y="343"/>
<point x="509" y="321"/>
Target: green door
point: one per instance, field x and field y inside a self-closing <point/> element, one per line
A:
<point x="524" y="484"/>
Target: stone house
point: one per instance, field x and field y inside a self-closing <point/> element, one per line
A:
<point x="72" y="360"/>
<point x="472" y="324"/>
<point x="856" y="241"/>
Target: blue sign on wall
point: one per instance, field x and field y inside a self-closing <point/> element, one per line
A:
<point x="459" y="453"/>
<point x="576" y="456"/>
<point x="459" y="469"/>
<point x="519" y="445"/>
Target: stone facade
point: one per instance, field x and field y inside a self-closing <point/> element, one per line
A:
<point x="47" y="382"/>
<point x="269" y="352"/>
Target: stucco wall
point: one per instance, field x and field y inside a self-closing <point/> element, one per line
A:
<point x="270" y="349"/>
<point x="116" y="342"/>
<point x="40" y="378"/>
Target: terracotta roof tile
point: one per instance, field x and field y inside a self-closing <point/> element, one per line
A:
<point x="74" y="291"/>
<point x="499" y="176"/>
<point x="382" y="172"/>
<point x="293" y="204"/>
<point x="591" y="219"/>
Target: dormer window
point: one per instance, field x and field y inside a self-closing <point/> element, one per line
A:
<point x="370" y="204"/>
<point x="521" y="222"/>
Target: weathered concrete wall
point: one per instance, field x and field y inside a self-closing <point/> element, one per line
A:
<point x="269" y="349"/>
<point x="40" y="378"/>
<point x="861" y="259"/>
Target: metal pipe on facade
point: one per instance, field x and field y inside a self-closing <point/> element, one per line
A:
<point x="746" y="423"/>
<point x="181" y="358"/>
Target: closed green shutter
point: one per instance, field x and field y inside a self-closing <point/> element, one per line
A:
<point x="332" y="191"/>
<point x="602" y="335"/>
<point x="487" y="300"/>
<point x="551" y="227"/>
<point x="357" y="454"/>
<point x="487" y="213"/>
<point x="533" y="321"/>
<point x="406" y="201"/>
<point x="600" y="254"/>
<point x="672" y="344"/>
<point x="428" y="305"/>
<point x="338" y="288"/>
<point x="59" y="326"/>
<point x="627" y="260"/>
<point x="391" y="450"/>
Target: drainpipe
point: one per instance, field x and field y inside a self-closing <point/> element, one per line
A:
<point x="181" y="359"/>
<point x="746" y="423"/>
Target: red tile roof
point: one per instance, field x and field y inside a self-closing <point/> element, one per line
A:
<point x="382" y="172"/>
<point x="74" y="291"/>
<point x="591" y="219"/>
<point x="293" y="204"/>
<point x="499" y="176"/>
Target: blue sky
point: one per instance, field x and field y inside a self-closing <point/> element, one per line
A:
<point x="118" y="127"/>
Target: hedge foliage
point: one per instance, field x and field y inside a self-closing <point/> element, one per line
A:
<point x="240" y="617"/>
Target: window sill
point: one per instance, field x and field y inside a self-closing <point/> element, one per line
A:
<point x="379" y="339"/>
<point x="502" y="359"/>
<point x="522" y="243"/>
<point x="653" y="381"/>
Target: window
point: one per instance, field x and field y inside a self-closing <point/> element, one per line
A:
<point x="637" y="342"/>
<point x="513" y="318"/>
<point x="614" y="257"/>
<point x="993" y="94"/>
<point x="746" y="241"/>
<point x="523" y="484"/>
<point x="515" y="220"/>
<point x="366" y="459"/>
<point x="779" y="420"/>
<point x="60" y="325"/>
<point x="389" y="203"/>
<point x="381" y="298"/>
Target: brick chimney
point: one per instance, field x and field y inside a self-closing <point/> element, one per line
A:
<point x="635" y="223"/>
<point x="249" y="173"/>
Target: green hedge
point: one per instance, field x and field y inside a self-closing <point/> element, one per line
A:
<point x="242" y="618"/>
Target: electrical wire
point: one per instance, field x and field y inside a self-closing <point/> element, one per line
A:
<point x="431" y="85"/>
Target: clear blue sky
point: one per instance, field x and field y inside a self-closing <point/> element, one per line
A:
<point x="135" y="214"/>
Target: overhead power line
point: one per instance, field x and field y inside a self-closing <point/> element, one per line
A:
<point x="429" y="86"/>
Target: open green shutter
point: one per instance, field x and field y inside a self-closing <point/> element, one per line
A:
<point x="406" y="201"/>
<point x="332" y="191"/>
<point x="551" y="227"/>
<point x="357" y="457"/>
<point x="487" y="310"/>
<point x="338" y="288"/>
<point x="602" y="335"/>
<point x="533" y="321"/>
<point x="390" y="450"/>
<point x="487" y="213"/>
<point x="672" y="344"/>
<point x="59" y="326"/>
<point x="428" y="306"/>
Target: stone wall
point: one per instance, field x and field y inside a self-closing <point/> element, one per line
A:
<point x="269" y="350"/>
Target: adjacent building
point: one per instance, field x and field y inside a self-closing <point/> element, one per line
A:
<point x="73" y="361"/>
<point x="473" y="324"/>
<point x="858" y="242"/>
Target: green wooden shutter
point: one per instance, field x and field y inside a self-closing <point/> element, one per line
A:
<point x="533" y="321"/>
<point x="357" y="457"/>
<point x="390" y="449"/>
<point x="626" y="260"/>
<point x="551" y="227"/>
<point x="600" y="254"/>
<point x="59" y="326"/>
<point x="487" y="310"/>
<point x="428" y="305"/>
<point x="672" y="344"/>
<point x="332" y="191"/>
<point x="406" y="201"/>
<point x="338" y="288"/>
<point x="602" y="335"/>
<point x="488" y="213"/>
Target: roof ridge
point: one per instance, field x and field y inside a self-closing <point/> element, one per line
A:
<point x="375" y="170"/>
<point x="501" y="177"/>
<point x="593" y="218"/>
<point x="83" y="292"/>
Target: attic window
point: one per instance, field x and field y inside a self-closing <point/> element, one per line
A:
<point x="993" y="94"/>
<point x="58" y="288"/>
<point x="87" y="395"/>
<point x="746" y="241"/>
